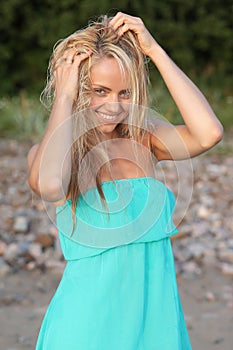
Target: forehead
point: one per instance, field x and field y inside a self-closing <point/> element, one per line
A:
<point x="107" y="71"/>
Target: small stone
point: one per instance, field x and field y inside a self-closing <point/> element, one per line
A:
<point x="53" y="231"/>
<point x="58" y="252"/>
<point x="210" y="296"/>
<point x="221" y="245"/>
<point x="12" y="190"/>
<point x="4" y="268"/>
<point x="207" y="200"/>
<point x="227" y="269"/>
<point x="31" y="265"/>
<point x="216" y="169"/>
<point x="44" y="240"/>
<point x="230" y="243"/>
<point x="217" y="223"/>
<point x="53" y="263"/>
<point x="196" y="250"/>
<point x="218" y="340"/>
<point x="226" y="255"/>
<point x="203" y="212"/>
<point x="186" y="254"/>
<point x="190" y="270"/>
<point x="227" y="293"/>
<point x="209" y="259"/>
<point x="21" y="224"/>
<point x="40" y="206"/>
<point x="35" y="250"/>
<point x="23" y="247"/>
<point x="3" y="248"/>
<point x="11" y="252"/>
<point x="24" y="340"/>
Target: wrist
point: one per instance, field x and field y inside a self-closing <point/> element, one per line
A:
<point x="63" y="103"/>
<point x="65" y="99"/>
<point x="156" y="52"/>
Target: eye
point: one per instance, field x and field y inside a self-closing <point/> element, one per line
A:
<point x="125" y="94"/>
<point x="100" y="92"/>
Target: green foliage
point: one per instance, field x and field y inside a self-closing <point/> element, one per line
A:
<point x="196" y="33"/>
<point x="217" y="90"/>
<point x="22" y="118"/>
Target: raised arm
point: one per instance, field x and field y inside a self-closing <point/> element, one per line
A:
<point x="201" y="129"/>
<point x="50" y="161"/>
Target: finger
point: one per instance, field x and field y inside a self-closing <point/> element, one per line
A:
<point x="59" y="63"/>
<point x="81" y="55"/>
<point x="69" y="55"/>
<point x="72" y="55"/>
<point x="129" y="26"/>
<point x="117" y="18"/>
<point x="82" y="51"/>
<point x="65" y="59"/>
<point x="121" y="18"/>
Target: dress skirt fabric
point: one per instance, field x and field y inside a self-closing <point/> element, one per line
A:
<point x="121" y="297"/>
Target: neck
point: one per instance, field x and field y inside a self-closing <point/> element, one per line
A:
<point x="111" y="135"/>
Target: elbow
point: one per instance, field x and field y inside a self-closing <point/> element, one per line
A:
<point x="219" y="133"/>
<point x="49" y="190"/>
<point x="213" y="138"/>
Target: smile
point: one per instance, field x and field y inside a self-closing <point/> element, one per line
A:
<point x="107" y="116"/>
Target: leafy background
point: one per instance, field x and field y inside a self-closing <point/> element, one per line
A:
<point x="196" y="33"/>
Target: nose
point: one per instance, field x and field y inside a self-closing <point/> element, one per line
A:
<point x="113" y="105"/>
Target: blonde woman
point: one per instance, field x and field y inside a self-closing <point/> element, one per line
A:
<point x="96" y="162"/>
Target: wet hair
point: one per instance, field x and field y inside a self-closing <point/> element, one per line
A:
<point x="103" y="42"/>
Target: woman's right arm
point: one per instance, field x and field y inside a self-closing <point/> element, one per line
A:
<point x="50" y="161"/>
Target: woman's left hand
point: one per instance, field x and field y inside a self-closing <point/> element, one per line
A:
<point x="122" y="23"/>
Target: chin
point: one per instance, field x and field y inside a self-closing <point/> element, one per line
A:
<point x="107" y="129"/>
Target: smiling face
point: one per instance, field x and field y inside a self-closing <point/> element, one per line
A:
<point x="110" y="94"/>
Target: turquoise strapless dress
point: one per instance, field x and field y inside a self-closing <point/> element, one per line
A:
<point x="118" y="290"/>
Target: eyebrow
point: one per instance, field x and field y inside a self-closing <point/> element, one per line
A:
<point x="105" y="87"/>
<point x="101" y="86"/>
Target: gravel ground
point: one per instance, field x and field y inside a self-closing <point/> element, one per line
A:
<point x="31" y="262"/>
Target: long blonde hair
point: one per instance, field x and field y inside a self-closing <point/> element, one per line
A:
<point x="103" y="41"/>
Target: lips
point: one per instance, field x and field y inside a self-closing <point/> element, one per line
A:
<point x="108" y="117"/>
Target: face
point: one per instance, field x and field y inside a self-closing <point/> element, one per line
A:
<point x="110" y="94"/>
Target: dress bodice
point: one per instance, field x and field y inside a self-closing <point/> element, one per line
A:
<point x="138" y="210"/>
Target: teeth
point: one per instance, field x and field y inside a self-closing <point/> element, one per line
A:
<point x="108" y="117"/>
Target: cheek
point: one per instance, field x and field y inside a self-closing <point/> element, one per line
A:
<point x="96" y="100"/>
<point x="126" y="105"/>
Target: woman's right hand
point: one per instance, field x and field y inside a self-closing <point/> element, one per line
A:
<point x="66" y="72"/>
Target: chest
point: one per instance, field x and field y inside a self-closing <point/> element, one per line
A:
<point x="128" y="159"/>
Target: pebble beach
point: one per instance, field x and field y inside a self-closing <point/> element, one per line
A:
<point x="31" y="262"/>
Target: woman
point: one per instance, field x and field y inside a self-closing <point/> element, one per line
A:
<point x="96" y="163"/>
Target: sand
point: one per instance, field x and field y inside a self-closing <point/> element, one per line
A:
<point x="207" y="304"/>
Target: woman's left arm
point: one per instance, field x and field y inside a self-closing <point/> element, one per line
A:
<point x="202" y="130"/>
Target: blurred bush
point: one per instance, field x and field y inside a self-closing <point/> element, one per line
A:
<point x="196" y="33"/>
<point x="22" y="118"/>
